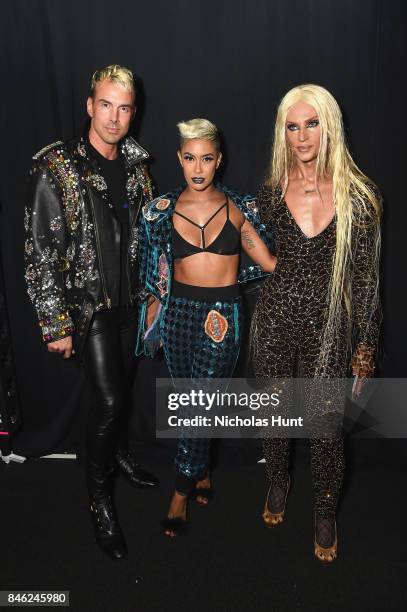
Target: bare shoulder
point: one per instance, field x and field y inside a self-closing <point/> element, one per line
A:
<point x="235" y="215"/>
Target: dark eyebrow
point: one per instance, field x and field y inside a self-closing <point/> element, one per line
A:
<point x="193" y="154"/>
<point x="315" y="117"/>
<point x="108" y="102"/>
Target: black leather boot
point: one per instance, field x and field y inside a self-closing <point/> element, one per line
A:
<point x="133" y="473"/>
<point x="108" y="534"/>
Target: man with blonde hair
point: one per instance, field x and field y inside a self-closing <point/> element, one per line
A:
<point x="81" y="269"/>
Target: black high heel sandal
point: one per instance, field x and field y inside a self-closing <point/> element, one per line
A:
<point x="204" y="492"/>
<point x="177" y="525"/>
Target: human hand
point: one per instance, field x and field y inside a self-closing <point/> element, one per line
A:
<point x="362" y="367"/>
<point x="151" y="312"/>
<point x="62" y="346"/>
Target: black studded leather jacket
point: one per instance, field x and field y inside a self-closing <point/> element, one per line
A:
<point x="72" y="247"/>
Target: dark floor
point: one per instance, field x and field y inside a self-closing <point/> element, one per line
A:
<point x="228" y="561"/>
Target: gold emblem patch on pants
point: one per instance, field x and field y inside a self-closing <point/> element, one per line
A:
<point x="216" y="326"/>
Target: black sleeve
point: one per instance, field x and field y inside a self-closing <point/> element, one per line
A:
<point x="45" y="253"/>
<point x="365" y="280"/>
<point x="264" y="200"/>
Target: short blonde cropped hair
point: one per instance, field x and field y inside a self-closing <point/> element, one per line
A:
<point x="198" y="128"/>
<point x="115" y="73"/>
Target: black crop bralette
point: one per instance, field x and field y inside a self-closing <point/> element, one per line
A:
<point x="227" y="242"/>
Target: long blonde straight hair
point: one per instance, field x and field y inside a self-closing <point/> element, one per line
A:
<point x="355" y="197"/>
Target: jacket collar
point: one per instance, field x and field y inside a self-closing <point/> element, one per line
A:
<point x="132" y="152"/>
<point x="163" y="207"/>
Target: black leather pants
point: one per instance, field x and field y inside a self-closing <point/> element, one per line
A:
<point x="109" y="362"/>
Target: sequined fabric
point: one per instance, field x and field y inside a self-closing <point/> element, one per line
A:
<point x="155" y="240"/>
<point x="65" y="245"/>
<point x="191" y="353"/>
<point x="287" y="331"/>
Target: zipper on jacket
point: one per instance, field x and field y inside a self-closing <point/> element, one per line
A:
<point x="128" y="263"/>
<point x="128" y="280"/>
<point x="102" y="274"/>
<point x="129" y="239"/>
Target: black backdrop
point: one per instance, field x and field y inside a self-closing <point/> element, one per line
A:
<point x="230" y="61"/>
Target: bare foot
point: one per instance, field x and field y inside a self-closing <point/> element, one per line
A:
<point x="205" y="483"/>
<point x="177" y="510"/>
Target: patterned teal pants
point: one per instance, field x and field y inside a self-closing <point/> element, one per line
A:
<point x="201" y="339"/>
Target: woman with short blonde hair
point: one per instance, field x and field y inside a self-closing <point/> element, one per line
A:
<point x="190" y="271"/>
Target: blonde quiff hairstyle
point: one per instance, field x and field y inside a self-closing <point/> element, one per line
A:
<point x="198" y="128"/>
<point x="355" y="197"/>
<point x="115" y="73"/>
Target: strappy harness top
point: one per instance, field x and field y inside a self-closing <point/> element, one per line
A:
<point x="227" y="242"/>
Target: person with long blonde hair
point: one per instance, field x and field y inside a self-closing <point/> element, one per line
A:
<point x="318" y="313"/>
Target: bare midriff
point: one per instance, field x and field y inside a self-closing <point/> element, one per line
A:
<point x="207" y="270"/>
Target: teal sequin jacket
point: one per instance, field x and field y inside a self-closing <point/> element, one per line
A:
<point x="156" y="260"/>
